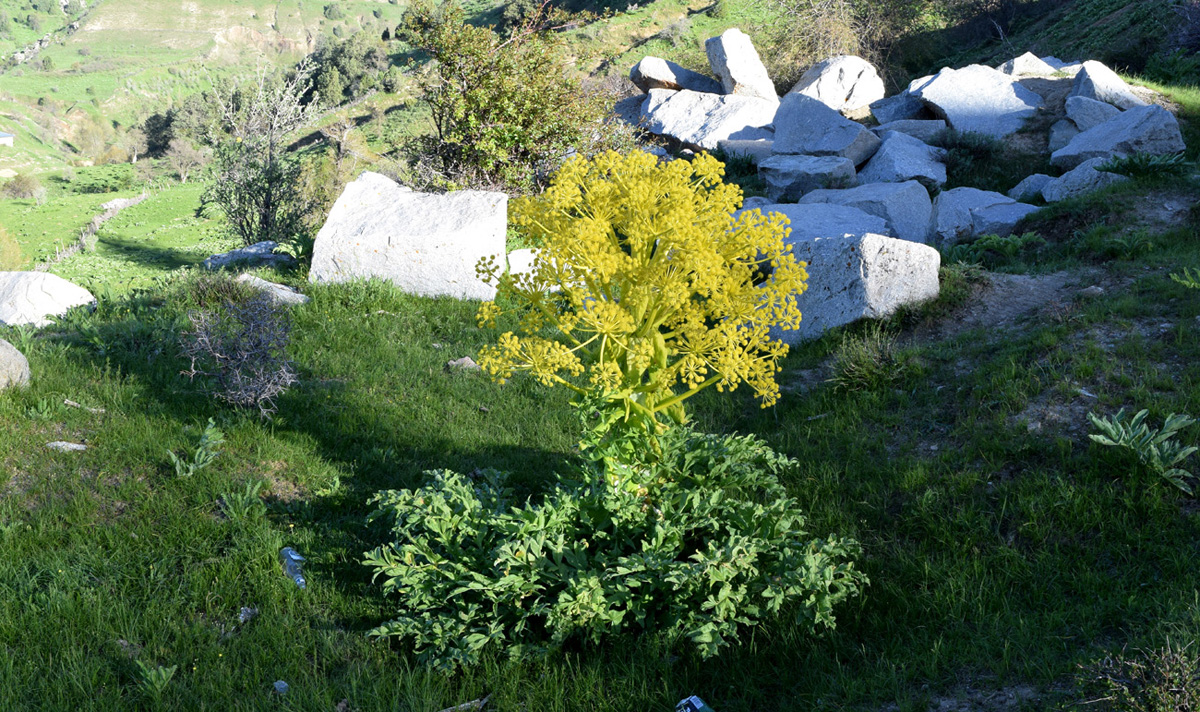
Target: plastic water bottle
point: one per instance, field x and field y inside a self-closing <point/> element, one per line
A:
<point x="291" y="565"/>
<point x="693" y="704"/>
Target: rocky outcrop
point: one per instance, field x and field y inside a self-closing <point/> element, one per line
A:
<point x="1027" y="65"/>
<point x="954" y="213"/>
<point x="809" y="221"/>
<point x="860" y="277"/>
<point x="789" y="177"/>
<point x="735" y="62"/>
<point x="32" y="297"/>
<point x="903" y="158"/>
<point x="1000" y="219"/>
<point x="423" y="243"/>
<point x="1142" y="129"/>
<point x="756" y="150"/>
<point x="1031" y="187"/>
<point x="703" y="120"/>
<point x="905" y="206"/>
<point x="844" y="83"/>
<point x="1096" y="81"/>
<point x="1088" y="113"/>
<point x="924" y="130"/>
<point x="804" y="125"/>
<point x="979" y="99"/>
<point x="657" y="73"/>
<point x="1085" y="178"/>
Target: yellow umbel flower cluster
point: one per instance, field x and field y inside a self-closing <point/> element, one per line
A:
<point x="646" y="289"/>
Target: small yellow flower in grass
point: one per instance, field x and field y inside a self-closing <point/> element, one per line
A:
<point x="646" y="288"/>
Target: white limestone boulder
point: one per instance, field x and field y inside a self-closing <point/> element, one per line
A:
<point x="702" y="120"/>
<point x="1027" y="65"/>
<point x="14" y="367"/>
<point x="736" y="63"/>
<point x="843" y="83"/>
<point x="809" y="221"/>
<point x="1088" y="113"/>
<point x="260" y="253"/>
<point x="756" y="150"/>
<point x="1142" y="129"/>
<point x="521" y="261"/>
<point x="979" y="99"/>
<point x="805" y="125"/>
<point x="903" y="158"/>
<point x="901" y="107"/>
<point x="905" y="206"/>
<point x="29" y="298"/>
<point x="789" y="177"/>
<point x="953" y="213"/>
<point x="658" y="73"/>
<point x="1083" y="179"/>
<point x="278" y="293"/>
<point x="425" y="244"/>
<point x="860" y="277"/>
<point x="1031" y="187"/>
<point x="1000" y="219"/>
<point x="1061" y="134"/>
<point x="1096" y="81"/>
<point x="925" y="130"/>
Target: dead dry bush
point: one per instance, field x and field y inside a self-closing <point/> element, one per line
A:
<point x="240" y="349"/>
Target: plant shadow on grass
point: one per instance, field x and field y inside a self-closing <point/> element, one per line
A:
<point x="374" y="406"/>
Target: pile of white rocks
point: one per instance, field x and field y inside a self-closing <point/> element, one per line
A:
<point x="867" y="205"/>
<point x="813" y="147"/>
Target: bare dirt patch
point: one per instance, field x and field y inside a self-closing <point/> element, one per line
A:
<point x="1002" y="301"/>
<point x="970" y="699"/>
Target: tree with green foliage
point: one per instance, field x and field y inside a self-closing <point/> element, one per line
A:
<point x="257" y="174"/>
<point x="349" y="68"/>
<point x="503" y="109"/>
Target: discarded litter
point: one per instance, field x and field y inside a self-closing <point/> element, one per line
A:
<point x="693" y="704"/>
<point x="468" y="706"/>
<point x="291" y="565"/>
<point x="246" y="615"/>
<point x="62" y="446"/>
<point x="281" y="687"/>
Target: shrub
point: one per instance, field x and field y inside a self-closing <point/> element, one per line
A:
<point x="242" y="349"/>
<point x="503" y="110"/>
<point x="701" y="543"/>
<point x="993" y="250"/>
<point x="645" y="290"/>
<point x="23" y="185"/>
<point x="1166" y="680"/>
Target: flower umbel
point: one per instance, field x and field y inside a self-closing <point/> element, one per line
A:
<point x="646" y="289"/>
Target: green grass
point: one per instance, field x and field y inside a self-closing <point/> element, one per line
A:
<point x="1000" y="557"/>
<point x="146" y="243"/>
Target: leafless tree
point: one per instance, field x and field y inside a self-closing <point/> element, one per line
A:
<point x="257" y="174"/>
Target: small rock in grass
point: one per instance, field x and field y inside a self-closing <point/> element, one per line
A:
<point x="63" y="446"/>
<point x="1092" y="291"/>
<point x="278" y="293"/>
<point x="281" y="687"/>
<point x="260" y="253"/>
<point x="14" y="367"/>
<point x="466" y="363"/>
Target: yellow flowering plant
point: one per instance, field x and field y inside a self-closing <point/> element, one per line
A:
<point x="646" y="289"/>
